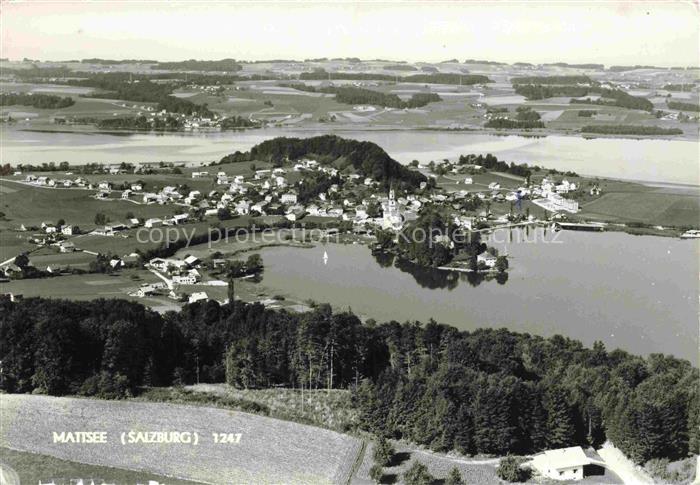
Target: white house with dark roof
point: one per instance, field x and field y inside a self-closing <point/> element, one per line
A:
<point x="564" y="463"/>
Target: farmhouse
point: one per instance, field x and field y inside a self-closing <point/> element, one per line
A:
<point x="564" y="463"/>
<point x="198" y="296"/>
<point x="153" y="222"/>
<point x="199" y="175"/>
<point x="66" y="247"/>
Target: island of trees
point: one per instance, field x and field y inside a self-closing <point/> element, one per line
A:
<point x="482" y="391"/>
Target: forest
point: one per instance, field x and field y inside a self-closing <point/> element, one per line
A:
<point x="39" y="101"/>
<point x="481" y="391"/>
<point x="366" y="158"/>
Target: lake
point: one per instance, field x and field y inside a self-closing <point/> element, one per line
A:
<point x="673" y="161"/>
<point x="638" y="293"/>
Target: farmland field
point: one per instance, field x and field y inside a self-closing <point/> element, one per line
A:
<point x="34" y="468"/>
<point x="646" y="207"/>
<point x="269" y="451"/>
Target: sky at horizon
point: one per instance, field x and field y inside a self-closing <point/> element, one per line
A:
<point x="605" y="32"/>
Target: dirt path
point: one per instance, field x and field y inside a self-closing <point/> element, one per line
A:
<point x="622" y="466"/>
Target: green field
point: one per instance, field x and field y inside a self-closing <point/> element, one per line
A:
<point x="646" y="207"/>
<point x="268" y="450"/>
<point x="35" y="468"/>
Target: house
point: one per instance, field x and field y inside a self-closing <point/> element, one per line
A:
<point x="105" y="186"/>
<point x="104" y="231"/>
<point x="153" y="222"/>
<point x="199" y="175"/>
<point x="468" y="180"/>
<point x="66" y="247"/>
<point x="126" y="194"/>
<point x="564" y="463"/>
<point x="187" y="279"/>
<point x="136" y="187"/>
<point x="116" y="263"/>
<point x="289" y="198"/>
<point x="487" y="258"/>
<point x="192" y="261"/>
<point x="67" y="230"/>
<point x="198" y="296"/>
<point x="145" y="291"/>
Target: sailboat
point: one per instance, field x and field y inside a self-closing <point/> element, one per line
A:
<point x="325" y="257"/>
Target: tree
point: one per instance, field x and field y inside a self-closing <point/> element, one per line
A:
<point x="376" y="472"/>
<point x="254" y="263"/>
<point x="418" y="475"/>
<point x="501" y="264"/>
<point x="101" y="219"/>
<point x="510" y="471"/>
<point x="454" y="477"/>
<point x="22" y="260"/>
<point x="223" y="214"/>
<point x="383" y="452"/>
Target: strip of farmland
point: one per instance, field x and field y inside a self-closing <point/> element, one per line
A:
<point x="268" y="451"/>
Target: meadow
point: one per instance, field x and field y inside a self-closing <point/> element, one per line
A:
<point x="300" y="454"/>
<point x="36" y="468"/>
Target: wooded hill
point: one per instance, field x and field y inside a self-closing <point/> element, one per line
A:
<point x="366" y="158"/>
<point x="483" y="391"/>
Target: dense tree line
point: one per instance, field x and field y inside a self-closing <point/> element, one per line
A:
<point x="226" y="65"/>
<point x="435" y="78"/>
<point x="112" y="62"/>
<point x="483" y="391"/>
<point x="491" y="162"/>
<point x="539" y="91"/>
<point x="366" y="158"/>
<point x="234" y="122"/>
<point x="508" y="123"/>
<point x="630" y="130"/>
<point x="616" y="97"/>
<point x="353" y="95"/>
<point x="399" y="67"/>
<point x="679" y="87"/>
<point x="39" y="101"/>
<point x="140" y="123"/>
<point x="683" y="106"/>
<point x="557" y="80"/>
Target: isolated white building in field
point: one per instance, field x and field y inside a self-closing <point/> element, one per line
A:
<point x="563" y="463"/>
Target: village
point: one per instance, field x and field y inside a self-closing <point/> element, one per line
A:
<point x="297" y="193"/>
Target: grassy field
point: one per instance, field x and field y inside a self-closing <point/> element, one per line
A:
<point x="30" y="205"/>
<point x="656" y="208"/>
<point x="331" y="410"/>
<point x="35" y="468"/>
<point x="269" y="450"/>
<point x="81" y="287"/>
<point x="475" y="471"/>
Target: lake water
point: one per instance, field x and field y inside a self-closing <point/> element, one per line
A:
<point x="638" y="293"/>
<point x="675" y="161"/>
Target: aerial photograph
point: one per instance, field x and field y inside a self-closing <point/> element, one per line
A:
<point x="349" y="242"/>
